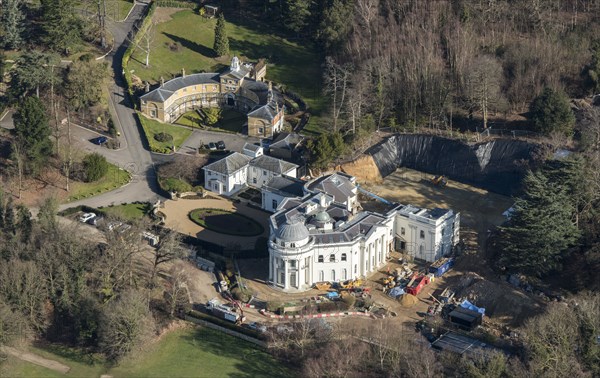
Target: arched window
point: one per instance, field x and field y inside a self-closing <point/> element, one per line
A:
<point x="421" y="250"/>
<point x="333" y="274"/>
<point x="344" y="274"/>
<point x="321" y="275"/>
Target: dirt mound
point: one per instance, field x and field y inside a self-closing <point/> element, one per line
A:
<point x="363" y="168"/>
<point x="502" y="302"/>
<point x="408" y="300"/>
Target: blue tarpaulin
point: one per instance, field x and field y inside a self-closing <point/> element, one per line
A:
<point x="396" y="292"/>
<point x="470" y="306"/>
<point x="332" y="295"/>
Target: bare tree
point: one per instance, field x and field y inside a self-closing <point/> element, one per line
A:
<point x="483" y="86"/>
<point x="169" y="249"/>
<point x="176" y="294"/>
<point x="18" y="154"/>
<point x="337" y="82"/>
<point x="127" y="325"/>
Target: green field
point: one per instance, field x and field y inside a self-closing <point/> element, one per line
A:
<point x="130" y="211"/>
<point x="195" y="352"/>
<point x="230" y="121"/>
<point x="297" y="66"/>
<point x="152" y="127"/>
<point x="114" y="178"/>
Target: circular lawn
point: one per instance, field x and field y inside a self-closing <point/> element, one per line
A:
<point x="226" y="222"/>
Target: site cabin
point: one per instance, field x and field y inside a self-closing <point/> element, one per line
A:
<point x="221" y="311"/>
<point x="465" y="318"/>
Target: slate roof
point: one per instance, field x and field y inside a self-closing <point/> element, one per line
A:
<point x="287" y="141"/>
<point x="161" y="94"/>
<point x="239" y="74"/>
<point x="267" y="111"/>
<point x="229" y="164"/>
<point x="272" y="164"/>
<point x="350" y="229"/>
<point x="251" y="147"/>
<point x="285" y="186"/>
<point x="338" y="185"/>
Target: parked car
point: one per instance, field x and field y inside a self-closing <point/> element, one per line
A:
<point x="212" y="146"/>
<point x="86" y="217"/>
<point x="100" y="140"/>
<point x="221" y="145"/>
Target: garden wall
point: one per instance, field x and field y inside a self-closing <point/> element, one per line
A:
<point x="498" y="165"/>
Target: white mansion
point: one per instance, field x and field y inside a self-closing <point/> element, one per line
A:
<point x="319" y="232"/>
<point x="323" y="236"/>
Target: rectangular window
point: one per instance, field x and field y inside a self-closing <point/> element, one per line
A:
<point x="274" y="203"/>
<point x="254" y="180"/>
<point x="320" y="258"/>
<point x="331" y="258"/>
<point x="264" y="172"/>
<point x="292" y="263"/>
<point x="261" y="130"/>
<point x="343" y="257"/>
<point x="422" y="234"/>
<point x="402" y="231"/>
<point x="355" y="268"/>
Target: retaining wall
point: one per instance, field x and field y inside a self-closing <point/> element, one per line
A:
<point x="498" y="165"/>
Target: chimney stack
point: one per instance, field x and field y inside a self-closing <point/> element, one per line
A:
<point x="147" y="87"/>
<point x="183" y="72"/>
<point x="162" y="81"/>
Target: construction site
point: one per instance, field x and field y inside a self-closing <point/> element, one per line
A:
<point x="457" y="293"/>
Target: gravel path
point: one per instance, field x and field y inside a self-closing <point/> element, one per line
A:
<point x="176" y="213"/>
<point x="38" y="360"/>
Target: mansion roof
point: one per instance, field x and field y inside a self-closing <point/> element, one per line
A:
<point x="344" y="227"/>
<point x="272" y="164"/>
<point x="229" y="164"/>
<point x="162" y="93"/>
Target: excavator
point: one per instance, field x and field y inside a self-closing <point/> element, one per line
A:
<point x="440" y="181"/>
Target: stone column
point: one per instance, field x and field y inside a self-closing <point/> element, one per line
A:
<point x="285" y="275"/>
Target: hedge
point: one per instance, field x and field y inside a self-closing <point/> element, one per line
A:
<point x="127" y="55"/>
<point x="176" y="4"/>
<point x="226" y="324"/>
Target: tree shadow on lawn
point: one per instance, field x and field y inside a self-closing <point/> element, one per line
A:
<point x="201" y="49"/>
<point x="249" y="359"/>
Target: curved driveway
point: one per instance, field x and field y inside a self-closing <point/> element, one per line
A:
<point x="133" y="156"/>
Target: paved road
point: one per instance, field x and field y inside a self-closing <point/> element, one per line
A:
<point x="133" y="156"/>
<point x="233" y="142"/>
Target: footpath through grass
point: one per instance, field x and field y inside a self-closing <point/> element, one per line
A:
<point x="152" y="127"/>
<point x="186" y="41"/>
<point x="114" y="178"/>
<point x="191" y="352"/>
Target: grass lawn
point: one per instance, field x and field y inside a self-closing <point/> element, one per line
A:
<point x="230" y="120"/>
<point x="117" y="10"/>
<point x="297" y="66"/>
<point x="114" y="178"/>
<point x="193" y="352"/>
<point x="226" y="222"/>
<point x="152" y="127"/>
<point x="130" y="211"/>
